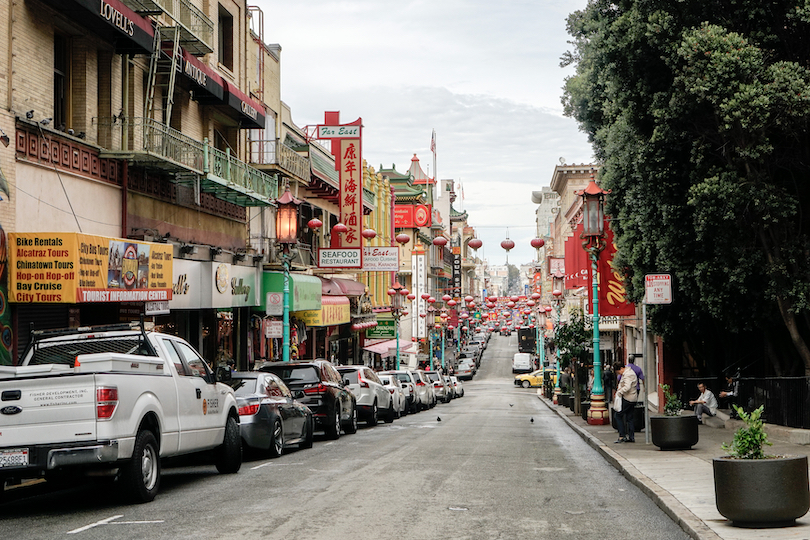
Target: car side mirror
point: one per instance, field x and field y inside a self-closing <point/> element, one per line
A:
<point x="298" y="394"/>
<point x="223" y="374"/>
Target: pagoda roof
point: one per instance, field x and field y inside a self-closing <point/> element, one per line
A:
<point x="418" y="175"/>
<point x="455" y="215"/>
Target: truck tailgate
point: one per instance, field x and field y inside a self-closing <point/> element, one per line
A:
<point x="47" y="410"/>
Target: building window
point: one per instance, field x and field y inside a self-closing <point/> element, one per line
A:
<point x="61" y="63"/>
<point x="225" y="38"/>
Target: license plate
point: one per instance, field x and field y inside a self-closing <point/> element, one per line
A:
<point x="17" y="457"/>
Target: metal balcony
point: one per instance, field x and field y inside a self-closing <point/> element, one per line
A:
<point x="196" y="29"/>
<point x="275" y="156"/>
<point x="149" y="143"/>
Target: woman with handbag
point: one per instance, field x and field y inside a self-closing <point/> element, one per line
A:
<point x="628" y="394"/>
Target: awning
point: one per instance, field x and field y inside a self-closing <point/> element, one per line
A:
<point x="250" y="111"/>
<point x="341" y="287"/>
<point x="111" y="20"/>
<point x="388" y="348"/>
<point x="207" y="84"/>
<point x="305" y="293"/>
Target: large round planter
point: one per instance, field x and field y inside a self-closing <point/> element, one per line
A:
<point x="674" y="432"/>
<point x="770" y="492"/>
<point x="584" y="406"/>
<point x="562" y="399"/>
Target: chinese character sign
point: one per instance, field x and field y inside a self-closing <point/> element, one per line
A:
<point x="351" y="192"/>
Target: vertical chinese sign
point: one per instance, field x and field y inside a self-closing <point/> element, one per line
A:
<point x="420" y="286"/>
<point x="346" y="140"/>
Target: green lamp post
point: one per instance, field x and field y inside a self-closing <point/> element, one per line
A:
<point x="286" y="237"/>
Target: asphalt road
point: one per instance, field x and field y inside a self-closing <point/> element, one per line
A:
<point x="484" y="471"/>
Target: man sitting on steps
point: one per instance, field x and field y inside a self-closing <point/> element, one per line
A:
<point x="705" y="403"/>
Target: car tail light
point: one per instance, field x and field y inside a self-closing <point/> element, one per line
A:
<point x="361" y="381"/>
<point x="249" y="410"/>
<point x="106" y="402"/>
<point x="319" y="388"/>
<point x="420" y="383"/>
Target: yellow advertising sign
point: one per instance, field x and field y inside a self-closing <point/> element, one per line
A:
<point x="78" y="268"/>
<point x="334" y="310"/>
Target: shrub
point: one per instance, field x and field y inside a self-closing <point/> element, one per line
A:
<point x="750" y="438"/>
<point x="672" y="405"/>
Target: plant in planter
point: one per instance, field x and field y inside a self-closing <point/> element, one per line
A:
<point x="673" y="431"/>
<point x="753" y="489"/>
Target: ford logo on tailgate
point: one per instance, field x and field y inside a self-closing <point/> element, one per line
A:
<point x="11" y="409"/>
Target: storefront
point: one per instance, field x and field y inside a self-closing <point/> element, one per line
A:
<point x="210" y="308"/>
<point x="73" y="279"/>
<point x="266" y="321"/>
<point x="329" y="329"/>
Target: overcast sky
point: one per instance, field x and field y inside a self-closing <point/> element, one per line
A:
<point x="485" y="75"/>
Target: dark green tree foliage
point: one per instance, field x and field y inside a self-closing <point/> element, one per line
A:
<point x="698" y="111"/>
<point x="513" y="280"/>
<point x="573" y="340"/>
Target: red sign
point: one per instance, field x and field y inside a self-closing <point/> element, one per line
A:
<point x="408" y="216"/>
<point x="612" y="293"/>
<point x="347" y="148"/>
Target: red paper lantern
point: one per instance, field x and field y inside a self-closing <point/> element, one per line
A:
<point x="425" y="296"/>
<point x="440" y="241"/>
<point x="315" y="223"/>
<point x="451" y="303"/>
<point x="507" y="245"/>
<point x="411" y="296"/>
<point x="368" y="234"/>
<point x="404" y="292"/>
<point x="340" y="228"/>
<point x="475" y="243"/>
<point x="537" y="243"/>
<point x="536" y="296"/>
<point x="447" y="298"/>
<point x="431" y="300"/>
<point x="402" y="238"/>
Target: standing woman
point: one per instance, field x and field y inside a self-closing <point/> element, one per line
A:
<point x="629" y="394"/>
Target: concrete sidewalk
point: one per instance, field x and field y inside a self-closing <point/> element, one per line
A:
<point x="681" y="482"/>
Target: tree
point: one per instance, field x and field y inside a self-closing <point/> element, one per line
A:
<point x="698" y="111"/>
<point x="573" y="340"/>
<point x="513" y="279"/>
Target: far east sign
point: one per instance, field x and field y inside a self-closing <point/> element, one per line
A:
<point x="657" y="289"/>
<point x="346" y="140"/>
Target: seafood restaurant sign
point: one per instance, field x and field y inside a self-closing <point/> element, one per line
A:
<point x="78" y="268"/>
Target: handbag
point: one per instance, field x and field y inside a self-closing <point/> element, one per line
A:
<point x="617" y="403"/>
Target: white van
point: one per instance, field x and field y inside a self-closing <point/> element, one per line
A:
<point x="522" y="363"/>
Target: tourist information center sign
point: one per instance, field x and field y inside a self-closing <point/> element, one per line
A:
<point x="74" y="268"/>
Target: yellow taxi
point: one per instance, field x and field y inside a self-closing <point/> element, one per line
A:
<point x="535" y="378"/>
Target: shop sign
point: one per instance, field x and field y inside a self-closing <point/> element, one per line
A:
<point x="78" y="268"/>
<point x="346" y="141"/>
<point x="381" y="259"/>
<point x="408" y="216"/>
<point x="305" y="293"/>
<point x="456" y="278"/>
<point x="186" y="285"/>
<point x="340" y="258"/>
<point x="156" y="308"/>
<point x="420" y="285"/>
<point x="229" y="285"/>
<point x="334" y="310"/>
<point x="385" y="329"/>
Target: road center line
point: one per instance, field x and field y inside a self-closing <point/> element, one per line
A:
<point x="96" y="524"/>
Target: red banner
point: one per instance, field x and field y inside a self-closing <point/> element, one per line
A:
<point x="612" y="293"/>
<point x="577" y="263"/>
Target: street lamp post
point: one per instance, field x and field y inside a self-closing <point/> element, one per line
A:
<point x="558" y="303"/>
<point x="593" y="241"/>
<point x="397" y="294"/>
<point x="287" y="236"/>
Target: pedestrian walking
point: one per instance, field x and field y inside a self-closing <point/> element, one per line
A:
<point x="628" y="393"/>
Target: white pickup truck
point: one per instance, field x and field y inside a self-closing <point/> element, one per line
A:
<point x="113" y="400"/>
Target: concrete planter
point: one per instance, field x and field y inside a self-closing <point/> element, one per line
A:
<point x="674" y="432"/>
<point x="770" y="492"/>
<point x="563" y="399"/>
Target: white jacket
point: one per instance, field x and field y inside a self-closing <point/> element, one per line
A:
<point x="627" y="385"/>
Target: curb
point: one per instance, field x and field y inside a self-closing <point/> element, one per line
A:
<point x="680" y="514"/>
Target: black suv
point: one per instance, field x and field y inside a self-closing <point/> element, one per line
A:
<point x="318" y="385"/>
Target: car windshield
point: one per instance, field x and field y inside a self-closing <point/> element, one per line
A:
<point x="404" y="377"/>
<point x="385" y="379"/>
<point x="433" y="376"/>
<point x="292" y="375"/>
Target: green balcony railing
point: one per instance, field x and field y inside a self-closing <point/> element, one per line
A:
<point x="153" y="144"/>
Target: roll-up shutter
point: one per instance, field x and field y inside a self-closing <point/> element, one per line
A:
<point x="44" y="317"/>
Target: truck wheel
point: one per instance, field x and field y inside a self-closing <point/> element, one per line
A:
<point x="333" y="424"/>
<point x="140" y="476"/>
<point x="228" y="457"/>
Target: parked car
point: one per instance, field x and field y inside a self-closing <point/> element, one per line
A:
<point x="332" y="404"/>
<point x="373" y="399"/>
<point x="270" y="418"/>
<point x="526" y="380"/>
<point x="424" y="387"/>
<point x="451" y="389"/>
<point x="457" y="385"/>
<point x="399" y="393"/>
<point x="465" y="369"/>
<point x="521" y="362"/>
<point x="408" y="380"/>
<point x="439" y="386"/>
<point x="480" y="342"/>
